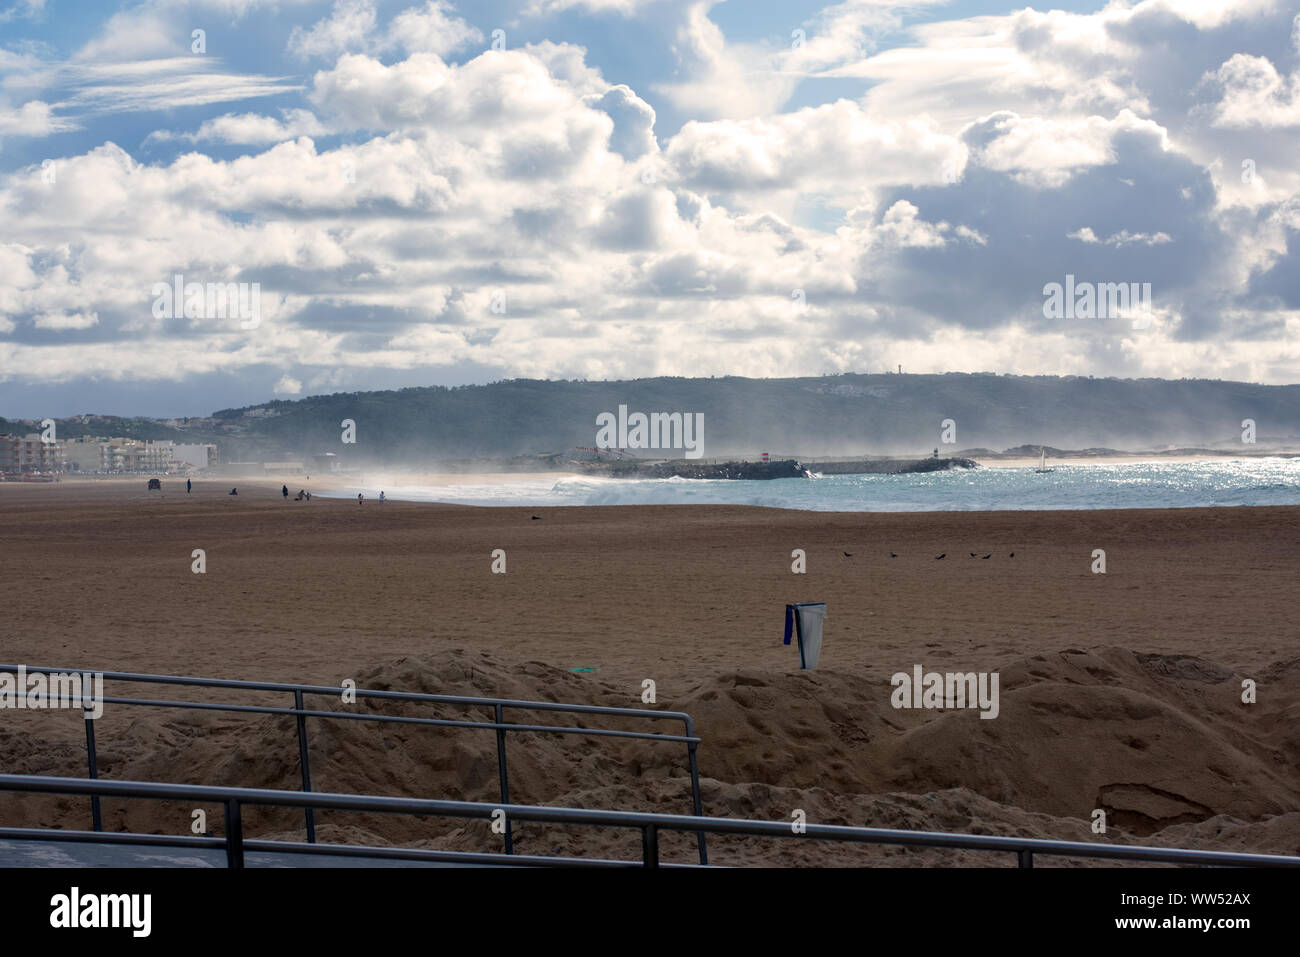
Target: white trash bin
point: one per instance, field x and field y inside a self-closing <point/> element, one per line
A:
<point x="806" y="620"/>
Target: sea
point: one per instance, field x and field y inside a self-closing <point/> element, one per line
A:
<point x="1226" y="482"/>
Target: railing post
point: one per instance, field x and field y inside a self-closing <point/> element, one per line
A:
<point x="305" y="763"/>
<point x="1026" y="857"/>
<point x="503" y="774"/>
<point x="650" y="845"/>
<point x="695" y="792"/>
<point x="92" y="759"/>
<point x="234" y="835"/>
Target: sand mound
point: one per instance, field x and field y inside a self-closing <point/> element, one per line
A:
<point x="1077" y="731"/>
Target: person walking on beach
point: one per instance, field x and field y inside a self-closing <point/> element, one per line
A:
<point x="360" y="498"/>
<point x="381" y="497"/>
<point x="284" y="490"/>
<point x="187" y="486"/>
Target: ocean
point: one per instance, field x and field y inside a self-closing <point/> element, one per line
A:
<point x="1230" y="482"/>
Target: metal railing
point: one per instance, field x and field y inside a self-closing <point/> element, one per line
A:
<point x="650" y="825"/>
<point x="300" y="712"/>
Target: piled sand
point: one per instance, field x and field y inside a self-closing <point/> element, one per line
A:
<point x="1120" y="692"/>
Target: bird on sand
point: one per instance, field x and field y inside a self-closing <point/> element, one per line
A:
<point x="848" y="554"/>
<point x="892" y="555"/>
<point x="937" y="557"/>
<point x="972" y="554"/>
<point x="989" y="555"/>
<point x="1012" y="555"/>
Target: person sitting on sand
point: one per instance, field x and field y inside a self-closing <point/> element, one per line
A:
<point x="299" y="496"/>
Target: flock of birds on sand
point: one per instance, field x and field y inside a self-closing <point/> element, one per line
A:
<point x="891" y="554"/>
<point x="537" y="518"/>
<point x="894" y="554"/>
<point x="944" y="555"/>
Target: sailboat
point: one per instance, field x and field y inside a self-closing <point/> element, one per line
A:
<point x="1042" y="462"/>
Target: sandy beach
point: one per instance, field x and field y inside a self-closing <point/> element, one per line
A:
<point x="1119" y="691"/>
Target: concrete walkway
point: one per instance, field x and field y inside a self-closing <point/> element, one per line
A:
<point x="77" y="854"/>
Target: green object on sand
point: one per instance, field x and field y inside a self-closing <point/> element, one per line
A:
<point x="584" y="669"/>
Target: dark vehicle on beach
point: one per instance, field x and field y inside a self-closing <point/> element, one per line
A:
<point x="155" y="484"/>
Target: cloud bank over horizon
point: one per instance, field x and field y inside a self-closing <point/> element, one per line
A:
<point x="422" y="193"/>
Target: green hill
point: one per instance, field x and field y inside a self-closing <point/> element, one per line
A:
<point x="876" y="414"/>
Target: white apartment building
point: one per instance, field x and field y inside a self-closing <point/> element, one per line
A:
<point x="195" y="455"/>
<point x="133" y="455"/>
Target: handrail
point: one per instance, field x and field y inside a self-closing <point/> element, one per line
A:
<point x="359" y="692"/>
<point x="301" y="713"/>
<point x="118" y="838"/>
<point x="396" y="719"/>
<point x="649" y="823"/>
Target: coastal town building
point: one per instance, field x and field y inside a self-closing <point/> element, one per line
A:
<point x="134" y="455"/>
<point x="284" y="468"/>
<point x="326" y="462"/>
<point x="29" y="454"/>
<point x="199" y="456"/>
<point x="96" y="454"/>
<point x="83" y="454"/>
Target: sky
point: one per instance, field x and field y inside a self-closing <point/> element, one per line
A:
<point x="419" y="193"/>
